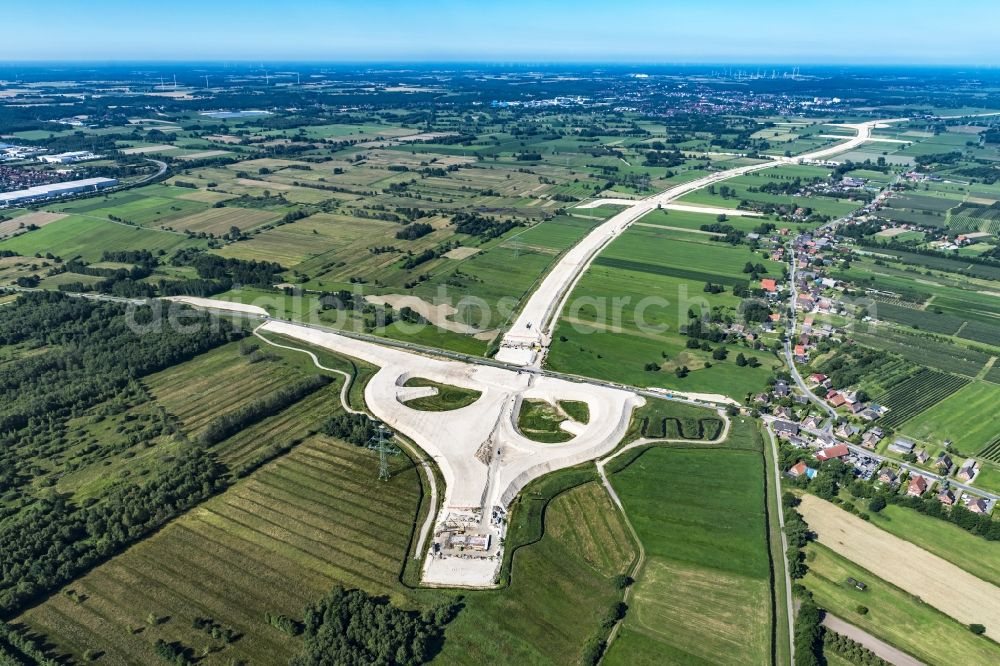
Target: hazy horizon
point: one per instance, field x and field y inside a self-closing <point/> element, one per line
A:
<point x="642" y="32"/>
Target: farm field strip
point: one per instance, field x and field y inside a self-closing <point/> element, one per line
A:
<point x="936" y="581"/>
<point x="259" y="546"/>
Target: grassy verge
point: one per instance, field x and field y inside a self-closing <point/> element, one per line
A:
<point x="447" y="398"/>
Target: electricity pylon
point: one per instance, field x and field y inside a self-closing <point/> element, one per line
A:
<point x="385" y="449"/>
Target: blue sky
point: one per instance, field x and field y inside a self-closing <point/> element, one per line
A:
<point x="716" y="31"/>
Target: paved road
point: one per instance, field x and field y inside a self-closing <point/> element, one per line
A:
<point x="792" y="335"/>
<point x="533" y="326"/>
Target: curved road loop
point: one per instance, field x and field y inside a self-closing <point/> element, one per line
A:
<point x="345" y="402"/>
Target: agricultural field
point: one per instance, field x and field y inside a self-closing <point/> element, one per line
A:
<point x="274" y="543"/>
<point x="967" y="551"/>
<point x="700" y="597"/>
<point x="893" y="615"/>
<point x="89" y="238"/>
<point x="966" y="417"/>
<point x="938" y="583"/>
<point x="628" y="308"/>
<point x="911" y="397"/>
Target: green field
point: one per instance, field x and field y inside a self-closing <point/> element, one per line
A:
<point x="627" y="309"/>
<point x="893" y="615"/>
<point x="539" y="421"/>
<point x="704" y="594"/>
<point x="88" y="238"/>
<point x="447" y="397"/>
<point x="275" y="542"/>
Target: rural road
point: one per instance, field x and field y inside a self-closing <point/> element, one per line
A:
<point x="891" y="654"/>
<point x="784" y="543"/>
<point x="345" y="402"/>
<point x="532" y="329"/>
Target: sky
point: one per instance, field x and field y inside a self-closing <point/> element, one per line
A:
<point x="872" y="32"/>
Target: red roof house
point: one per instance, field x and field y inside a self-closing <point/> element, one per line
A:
<point x="767" y="284"/>
<point x="831" y="452"/>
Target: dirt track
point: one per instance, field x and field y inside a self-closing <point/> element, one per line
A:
<point x="937" y="582"/>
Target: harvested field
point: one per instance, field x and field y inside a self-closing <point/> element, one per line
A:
<point x="436" y="314"/>
<point x="939" y="583"/>
<point x="218" y="221"/>
<point x="204" y="154"/>
<point x="39" y="219"/>
<point x="462" y="252"/>
<point x="142" y="150"/>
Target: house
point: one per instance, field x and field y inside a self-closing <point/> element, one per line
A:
<point x="968" y="470"/>
<point x="774" y="316"/>
<point x="837" y="400"/>
<point x="783" y="412"/>
<point x="786" y="428"/>
<point x="846" y="430"/>
<point x="800" y="351"/>
<point x="799" y="469"/>
<point x="781" y="389"/>
<point x="835" y="451"/>
<point x="888" y="476"/>
<point x="946" y="497"/>
<point x="870" y="440"/>
<point x="943" y="462"/>
<point x="767" y="284"/>
<point x="812" y="422"/>
<point x="817" y="377"/>
<point x="917" y="487"/>
<point x="857" y="407"/>
<point x="977" y="505"/>
<point x="922" y="456"/>
<point x="902" y="445"/>
<point x="762" y="398"/>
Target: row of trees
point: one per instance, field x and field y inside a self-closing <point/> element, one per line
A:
<point x="227" y="425"/>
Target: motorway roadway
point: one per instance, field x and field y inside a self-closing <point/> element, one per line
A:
<point x="532" y="330"/>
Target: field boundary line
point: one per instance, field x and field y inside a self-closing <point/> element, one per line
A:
<point x="640" y="559"/>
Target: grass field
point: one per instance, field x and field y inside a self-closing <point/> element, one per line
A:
<point x="936" y="581"/>
<point x="215" y="383"/>
<point x="704" y="594"/>
<point x="893" y="615"/>
<point x="447" y="397"/>
<point x="561" y="587"/>
<point x="88" y="238"/>
<point x="539" y="421"/>
<point x="627" y="310"/>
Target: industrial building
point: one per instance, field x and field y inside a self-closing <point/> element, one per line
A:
<point x="69" y="158"/>
<point x="55" y="190"/>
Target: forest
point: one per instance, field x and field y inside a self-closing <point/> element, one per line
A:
<point x="71" y="355"/>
